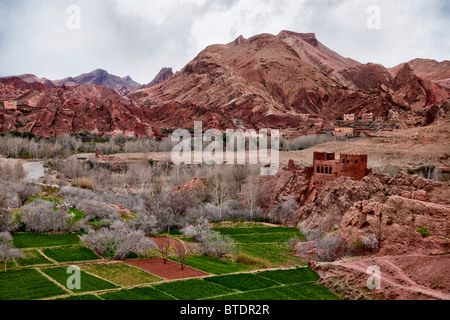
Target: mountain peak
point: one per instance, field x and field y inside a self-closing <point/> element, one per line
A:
<point x="163" y="75"/>
<point x="308" y="37"/>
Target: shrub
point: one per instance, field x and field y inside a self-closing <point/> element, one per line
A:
<point x="329" y="249"/>
<point x="424" y="232"/>
<point x="249" y="260"/>
<point x="84" y="183"/>
<point x="293" y="242"/>
<point x="312" y="234"/>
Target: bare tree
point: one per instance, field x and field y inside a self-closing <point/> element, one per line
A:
<point x="219" y="188"/>
<point x="43" y="216"/>
<point x="252" y="193"/>
<point x="24" y="192"/>
<point x="7" y="251"/>
<point x="118" y="241"/>
<point x="6" y="221"/>
<point x="285" y="210"/>
<point x="97" y="210"/>
<point x="165" y="250"/>
<point x="75" y="143"/>
<point x="181" y="252"/>
<point x="216" y="244"/>
<point x="239" y="175"/>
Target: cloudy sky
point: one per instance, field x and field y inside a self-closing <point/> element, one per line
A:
<point x="139" y="37"/>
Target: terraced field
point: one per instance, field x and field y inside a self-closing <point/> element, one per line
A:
<point x="43" y="272"/>
<point x="264" y="242"/>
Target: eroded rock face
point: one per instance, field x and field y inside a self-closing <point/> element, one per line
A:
<point x="47" y="111"/>
<point x="270" y="80"/>
<point x="390" y="208"/>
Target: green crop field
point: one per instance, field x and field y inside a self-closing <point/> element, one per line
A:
<point x="33" y="257"/>
<point x="147" y="293"/>
<point x="69" y="254"/>
<point x="34" y="240"/>
<point x="89" y="283"/>
<point x="121" y="274"/>
<point x="27" y="284"/>
<point x="255" y="228"/>
<point x="275" y="237"/>
<point x="214" y="265"/>
<point x="278" y="254"/>
<point x="193" y="289"/>
<point x="243" y="282"/>
<point x="293" y="276"/>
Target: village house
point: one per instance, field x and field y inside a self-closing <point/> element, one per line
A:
<point x="10" y="105"/>
<point x="343" y="132"/>
<point x="327" y="168"/>
<point x="367" y="117"/>
<point x="349" y="117"/>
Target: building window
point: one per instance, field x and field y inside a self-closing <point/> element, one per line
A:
<point x="348" y="161"/>
<point x="356" y="161"/>
<point x="331" y="170"/>
<point x="343" y="161"/>
<point x="318" y="169"/>
<point x="326" y="170"/>
<point x="321" y="170"/>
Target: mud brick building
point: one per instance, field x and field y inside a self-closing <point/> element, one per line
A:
<point x="343" y="132"/>
<point x="367" y="117"/>
<point x="10" y="105"/>
<point x="349" y="117"/>
<point x="326" y="168"/>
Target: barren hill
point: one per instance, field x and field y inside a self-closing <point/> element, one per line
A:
<point x="272" y="80"/>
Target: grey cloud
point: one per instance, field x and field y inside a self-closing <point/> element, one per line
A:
<point x="34" y="39"/>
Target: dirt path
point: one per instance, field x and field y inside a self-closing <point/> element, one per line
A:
<point x="393" y="275"/>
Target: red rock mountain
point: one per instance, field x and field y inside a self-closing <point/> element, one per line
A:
<point x="163" y="75"/>
<point x="46" y="110"/>
<point x="266" y="81"/>
<point x="272" y="80"/>
<point x="99" y="77"/>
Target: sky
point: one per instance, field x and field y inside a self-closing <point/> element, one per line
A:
<point x="60" y="38"/>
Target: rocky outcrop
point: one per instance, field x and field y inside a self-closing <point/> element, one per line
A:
<point x="390" y="208"/>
